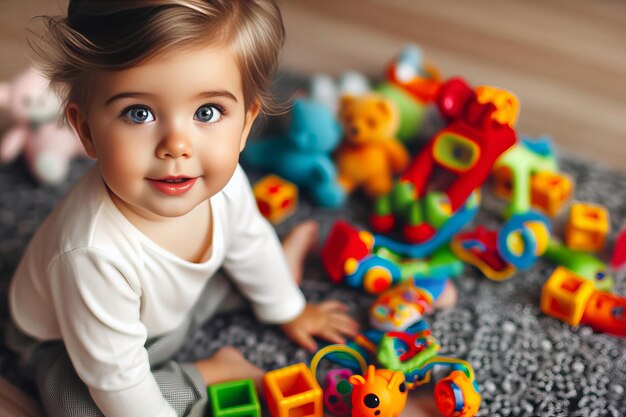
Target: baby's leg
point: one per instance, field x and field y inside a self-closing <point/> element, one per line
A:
<point x="298" y="243"/>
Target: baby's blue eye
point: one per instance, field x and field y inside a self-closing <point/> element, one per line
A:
<point x="208" y="114"/>
<point x="138" y="115"/>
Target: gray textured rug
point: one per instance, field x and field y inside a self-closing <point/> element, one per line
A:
<point x="526" y="363"/>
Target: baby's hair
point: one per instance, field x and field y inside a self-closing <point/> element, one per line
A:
<point x="119" y="34"/>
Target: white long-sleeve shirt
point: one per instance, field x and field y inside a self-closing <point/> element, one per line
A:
<point x="92" y="279"/>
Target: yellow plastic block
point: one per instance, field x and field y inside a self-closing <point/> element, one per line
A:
<point x="277" y="198"/>
<point x="587" y="227"/>
<point x="549" y="191"/>
<point x="565" y="295"/>
<point x="293" y="392"/>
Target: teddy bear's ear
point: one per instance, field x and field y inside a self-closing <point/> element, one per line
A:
<point x="347" y="100"/>
<point x="5" y="92"/>
<point x="384" y="107"/>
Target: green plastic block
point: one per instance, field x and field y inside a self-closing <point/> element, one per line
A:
<point x="234" y="399"/>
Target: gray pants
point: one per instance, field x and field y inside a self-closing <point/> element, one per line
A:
<point x="63" y="394"/>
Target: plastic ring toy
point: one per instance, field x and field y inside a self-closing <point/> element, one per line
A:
<point x="523" y="238"/>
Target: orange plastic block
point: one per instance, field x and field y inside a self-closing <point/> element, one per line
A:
<point x="277" y="198"/>
<point x="502" y="180"/>
<point x="293" y="392"/>
<point x="549" y="191"/>
<point x="587" y="227"/>
<point x="565" y="295"/>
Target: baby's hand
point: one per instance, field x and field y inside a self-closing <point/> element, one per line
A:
<point x="327" y="320"/>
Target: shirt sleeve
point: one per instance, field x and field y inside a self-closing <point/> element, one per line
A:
<point x="255" y="258"/>
<point x="99" y="315"/>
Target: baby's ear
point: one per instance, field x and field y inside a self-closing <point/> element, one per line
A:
<point x="79" y="123"/>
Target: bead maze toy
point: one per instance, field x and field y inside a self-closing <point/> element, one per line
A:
<point x="302" y="154"/>
<point x="587" y="227"/>
<point x="276" y="198"/>
<point x="234" y="399"/>
<point x="575" y="300"/>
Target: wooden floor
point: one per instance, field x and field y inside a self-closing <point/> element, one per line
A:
<point x="565" y="59"/>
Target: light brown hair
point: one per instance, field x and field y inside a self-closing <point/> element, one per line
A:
<point x="119" y="34"/>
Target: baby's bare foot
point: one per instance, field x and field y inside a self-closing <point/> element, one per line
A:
<point x="228" y="364"/>
<point x="448" y="296"/>
<point x="298" y="243"/>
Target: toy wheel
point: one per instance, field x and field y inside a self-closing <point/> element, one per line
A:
<point x="455" y="396"/>
<point x="377" y="280"/>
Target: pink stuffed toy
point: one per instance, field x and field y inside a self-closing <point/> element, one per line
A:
<point x="47" y="145"/>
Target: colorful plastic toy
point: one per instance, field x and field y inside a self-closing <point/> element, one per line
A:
<point x="234" y="399"/>
<point x="370" y="154"/>
<point x="478" y="247"/>
<point x="574" y="300"/>
<point x="550" y="191"/>
<point x="302" y="156"/>
<point x="337" y="392"/>
<point x="587" y="227"/>
<point x="400" y="307"/>
<point x="434" y="237"/>
<point x="513" y="172"/>
<point x="354" y="256"/>
<point x="337" y="388"/>
<point x="411" y="85"/>
<point x="581" y="263"/>
<point x="293" y="392"/>
<point x="467" y="147"/>
<point x="47" y="146"/>
<point x="619" y="251"/>
<point x="276" y="198"/>
<point x="379" y="393"/>
<point x="456" y="395"/>
<point x="523" y="238"/>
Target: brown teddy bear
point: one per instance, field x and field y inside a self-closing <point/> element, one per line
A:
<point x="370" y="154"/>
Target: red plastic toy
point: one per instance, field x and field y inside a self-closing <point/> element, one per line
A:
<point x="619" y="251"/>
<point x="467" y="147"/>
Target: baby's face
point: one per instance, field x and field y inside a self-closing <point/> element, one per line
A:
<point x="167" y="134"/>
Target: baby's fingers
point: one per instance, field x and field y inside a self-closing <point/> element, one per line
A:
<point x="332" y="306"/>
<point x="332" y="335"/>
<point x="305" y="340"/>
<point x="344" y="324"/>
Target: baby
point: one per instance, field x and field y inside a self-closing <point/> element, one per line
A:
<point x="162" y="94"/>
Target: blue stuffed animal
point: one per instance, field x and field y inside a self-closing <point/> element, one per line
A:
<point x="302" y="156"/>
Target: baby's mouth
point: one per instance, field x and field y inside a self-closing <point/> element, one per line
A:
<point x="174" y="180"/>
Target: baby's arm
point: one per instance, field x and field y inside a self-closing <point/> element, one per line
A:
<point x="328" y="320"/>
<point x="258" y="266"/>
<point x="98" y="311"/>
